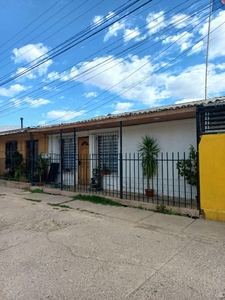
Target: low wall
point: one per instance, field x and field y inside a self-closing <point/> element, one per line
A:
<point x="15" y="184"/>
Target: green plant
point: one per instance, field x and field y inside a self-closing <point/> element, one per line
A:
<point x="22" y="173"/>
<point x="13" y="163"/>
<point x="188" y="168"/>
<point x="149" y="150"/>
<point x="42" y="166"/>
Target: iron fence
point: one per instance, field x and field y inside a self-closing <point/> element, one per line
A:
<point x="84" y="175"/>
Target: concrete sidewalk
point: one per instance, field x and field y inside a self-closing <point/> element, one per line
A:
<point x="93" y="251"/>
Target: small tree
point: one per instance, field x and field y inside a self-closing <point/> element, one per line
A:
<point x="42" y="166"/>
<point x="149" y="150"/>
<point x="188" y="168"/>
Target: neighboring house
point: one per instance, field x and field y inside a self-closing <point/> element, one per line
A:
<point x="109" y="144"/>
<point x="19" y="140"/>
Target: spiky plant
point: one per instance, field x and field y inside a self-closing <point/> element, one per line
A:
<point x="149" y="150"/>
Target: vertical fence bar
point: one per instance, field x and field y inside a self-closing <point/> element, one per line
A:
<point x="185" y="187"/>
<point x="121" y="162"/>
<point x="130" y="175"/>
<point x="173" y="174"/>
<point x="167" y="179"/>
<point x="162" y="178"/>
<point x="157" y="180"/>
<point x="31" y="158"/>
<point x="178" y="159"/>
<point x="61" y="158"/>
<point x="74" y="160"/>
<point x="198" y="173"/>
<point x="138" y="160"/>
<point x="134" y="180"/>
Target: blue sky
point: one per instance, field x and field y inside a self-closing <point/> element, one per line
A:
<point x="63" y="61"/>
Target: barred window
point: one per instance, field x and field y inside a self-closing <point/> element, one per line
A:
<point x="10" y="148"/>
<point x="213" y="119"/>
<point x="68" y="154"/>
<point x="108" y="152"/>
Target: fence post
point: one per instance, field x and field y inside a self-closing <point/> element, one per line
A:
<point x="121" y="162"/>
<point x="61" y="158"/>
<point x="198" y="141"/>
<point x="31" y="158"/>
<point x="74" y="162"/>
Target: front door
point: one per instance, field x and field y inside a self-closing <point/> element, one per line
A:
<point x="83" y="161"/>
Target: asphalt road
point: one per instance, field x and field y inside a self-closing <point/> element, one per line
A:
<point x="96" y="252"/>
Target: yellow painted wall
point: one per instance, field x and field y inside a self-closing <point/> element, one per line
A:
<point x="21" y="145"/>
<point x="212" y="176"/>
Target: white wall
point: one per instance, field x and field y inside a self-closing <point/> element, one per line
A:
<point x="172" y="136"/>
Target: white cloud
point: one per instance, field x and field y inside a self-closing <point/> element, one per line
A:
<point x="187" y="100"/>
<point x="130" y="34"/>
<point x="182" y="39"/>
<point x="217" y="37"/>
<point x="114" y="29"/>
<point x="90" y="94"/>
<point x="13" y="90"/>
<point x="30" y="52"/>
<point x="6" y="128"/>
<point x="155" y="22"/>
<point x="122" y="107"/>
<point x="190" y="84"/>
<point x="64" y="115"/>
<point x="182" y="20"/>
<point x="110" y="15"/>
<point x="33" y="103"/>
<point x="97" y="20"/>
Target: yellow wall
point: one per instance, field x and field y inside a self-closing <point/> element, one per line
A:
<point x="212" y="176"/>
<point x="21" y="145"/>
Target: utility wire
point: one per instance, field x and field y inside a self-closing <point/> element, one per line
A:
<point x="134" y="54"/>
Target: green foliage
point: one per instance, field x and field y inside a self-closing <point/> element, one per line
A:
<point x="38" y="191"/>
<point x="163" y="210"/>
<point x="42" y="166"/>
<point x="22" y="173"/>
<point x="33" y="200"/>
<point x="149" y="150"/>
<point x="97" y="200"/>
<point x="188" y="168"/>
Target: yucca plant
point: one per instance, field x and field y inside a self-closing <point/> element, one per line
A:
<point x="149" y="150"/>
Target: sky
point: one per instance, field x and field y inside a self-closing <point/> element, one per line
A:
<point x="69" y="60"/>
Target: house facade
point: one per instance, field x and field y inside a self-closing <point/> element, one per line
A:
<point x="100" y="155"/>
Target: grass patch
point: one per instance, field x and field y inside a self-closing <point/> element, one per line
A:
<point x="163" y="210"/>
<point x="2" y="195"/>
<point x="37" y="191"/>
<point x="33" y="200"/>
<point x="59" y="205"/>
<point x="97" y="200"/>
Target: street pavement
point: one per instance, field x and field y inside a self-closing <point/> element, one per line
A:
<point x="91" y="251"/>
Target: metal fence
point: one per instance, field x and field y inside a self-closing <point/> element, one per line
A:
<point x="126" y="181"/>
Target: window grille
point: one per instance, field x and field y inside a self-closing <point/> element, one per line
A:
<point x="68" y="154"/>
<point x="10" y="148"/>
<point x="212" y="119"/>
<point x="108" y="151"/>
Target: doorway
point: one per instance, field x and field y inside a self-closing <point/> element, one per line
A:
<point x="83" y="161"/>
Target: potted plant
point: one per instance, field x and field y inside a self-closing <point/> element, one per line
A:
<point x="105" y="170"/>
<point x="188" y="168"/>
<point x="42" y="167"/>
<point x="149" y="150"/>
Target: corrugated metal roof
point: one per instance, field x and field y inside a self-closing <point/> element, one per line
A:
<point x="216" y="100"/>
